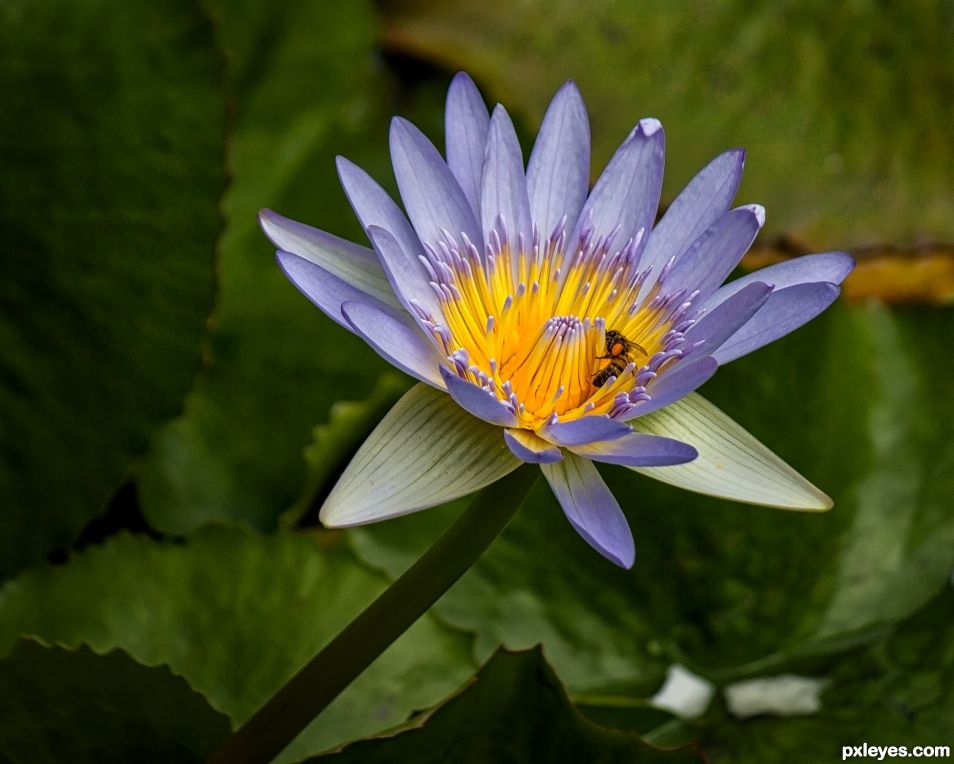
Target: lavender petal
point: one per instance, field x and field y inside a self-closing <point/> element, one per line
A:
<point x="591" y="508"/>
<point x="465" y="129"/>
<point x="324" y="289"/>
<point x="558" y="173"/>
<point x="702" y="202"/>
<point x="374" y="206"/>
<point x="675" y="383"/>
<point x="397" y="339"/>
<point x="726" y="317"/>
<point x="830" y="267"/>
<point x="639" y="450"/>
<point x="531" y="448"/>
<point x="783" y="312"/>
<point x="503" y="192"/>
<point x="432" y="196"/>
<point x="355" y="265"/>
<point x="406" y="274"/>
<point x="711" y="257"/>
<point x="626" y="195"/>
<point x="587" y="429"/>
<point x="477" y="401"/>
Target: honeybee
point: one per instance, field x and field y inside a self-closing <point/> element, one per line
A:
<point x="618" y="350"/>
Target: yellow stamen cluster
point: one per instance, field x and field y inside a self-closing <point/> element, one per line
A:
<point x="529" y="324"/>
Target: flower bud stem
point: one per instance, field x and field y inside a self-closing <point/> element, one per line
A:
<point x="270" y="729"/>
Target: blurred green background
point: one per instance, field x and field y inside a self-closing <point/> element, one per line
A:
<point x="173" y="411"/>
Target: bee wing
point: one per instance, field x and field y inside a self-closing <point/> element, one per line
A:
<point x="631" y="346"/>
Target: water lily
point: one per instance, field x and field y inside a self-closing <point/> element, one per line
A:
<point x="550" y="323"/>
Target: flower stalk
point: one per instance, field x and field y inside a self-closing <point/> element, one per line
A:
<point x="263" y="736"/>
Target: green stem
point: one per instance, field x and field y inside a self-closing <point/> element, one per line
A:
<point x="307" y="693"/>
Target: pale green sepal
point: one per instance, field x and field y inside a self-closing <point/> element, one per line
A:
<point x="731" y="464"/>
<point x="426" y="451"/>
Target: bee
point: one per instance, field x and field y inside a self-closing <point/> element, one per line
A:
<point x="618" y="350"/>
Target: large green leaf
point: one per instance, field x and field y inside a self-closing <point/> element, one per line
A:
<point x="111" y="143"/>
<point x="853" y="402"/>
<point x="304" y="87"/>
<point x="236" y="615"/>
<point x="899" y="693"/>
<point x="61" y="705"/>
<point x="844" y="109"/>
<point x="513" y="710"/>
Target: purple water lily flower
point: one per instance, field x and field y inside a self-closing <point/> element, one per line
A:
<point x="551" y="323"/>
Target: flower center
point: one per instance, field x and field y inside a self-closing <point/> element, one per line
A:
<point x="554" y="334"/>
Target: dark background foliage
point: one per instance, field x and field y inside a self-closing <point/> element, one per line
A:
<point x="173" y="411"/>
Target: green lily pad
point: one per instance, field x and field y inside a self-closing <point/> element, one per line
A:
<point x="853" y="402"/>
<point x="61" y="705"/>
<point x="277" y="363"/>
<point x="513" y="710"/>
<point x="844" y="110"/>
<point x="237" y="614"/>
<point x="111" y="136"/>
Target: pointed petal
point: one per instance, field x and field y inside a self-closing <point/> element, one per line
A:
<point x="725" y="318"/>
<point x="707" y="197"/>
<point x="374" y="206"/>
<point x="638" y="450"/>
<point x="558" y="174"/>
<point x="324" y="289"/>
<point x="432" y="196"/>
<point x="531" y="448"/>
<point x="831" y="267"/>
<point x="426" y="451"/>
<point x="504" y="186"/>
<point x="477" y="401"/>
<point x="586" y="429"/>
<point x="731" y="464"/>
<point x="465" y="130"/>
<point x="397" y="339"/>
<point x="591" y="508"/>
<point x="408" y="277"/>
<point x="783" y="312"/>
<point x="711" y="258"/>
<point x="355" y="265"/>
<point x="675" y="383"/>
<point x="627" y="193"/>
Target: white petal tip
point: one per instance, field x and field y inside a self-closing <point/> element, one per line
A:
<point x="331" y="519"/>
<point x="649" y="126"/>
<point x="759" y="211"/>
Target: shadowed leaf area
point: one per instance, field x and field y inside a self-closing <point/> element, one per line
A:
<point x="898" y="693"/>
<point x="236" y="614"/>
<point x="60" y="705"/>
<point x="513" y="710"/>
<point x="108" y="206"/>
<point x="843" y="148"/>
<point x="278" y="364"/>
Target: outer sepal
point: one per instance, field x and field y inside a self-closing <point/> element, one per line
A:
<point x="426" y="451"/>
<point x="731" y="463"/>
